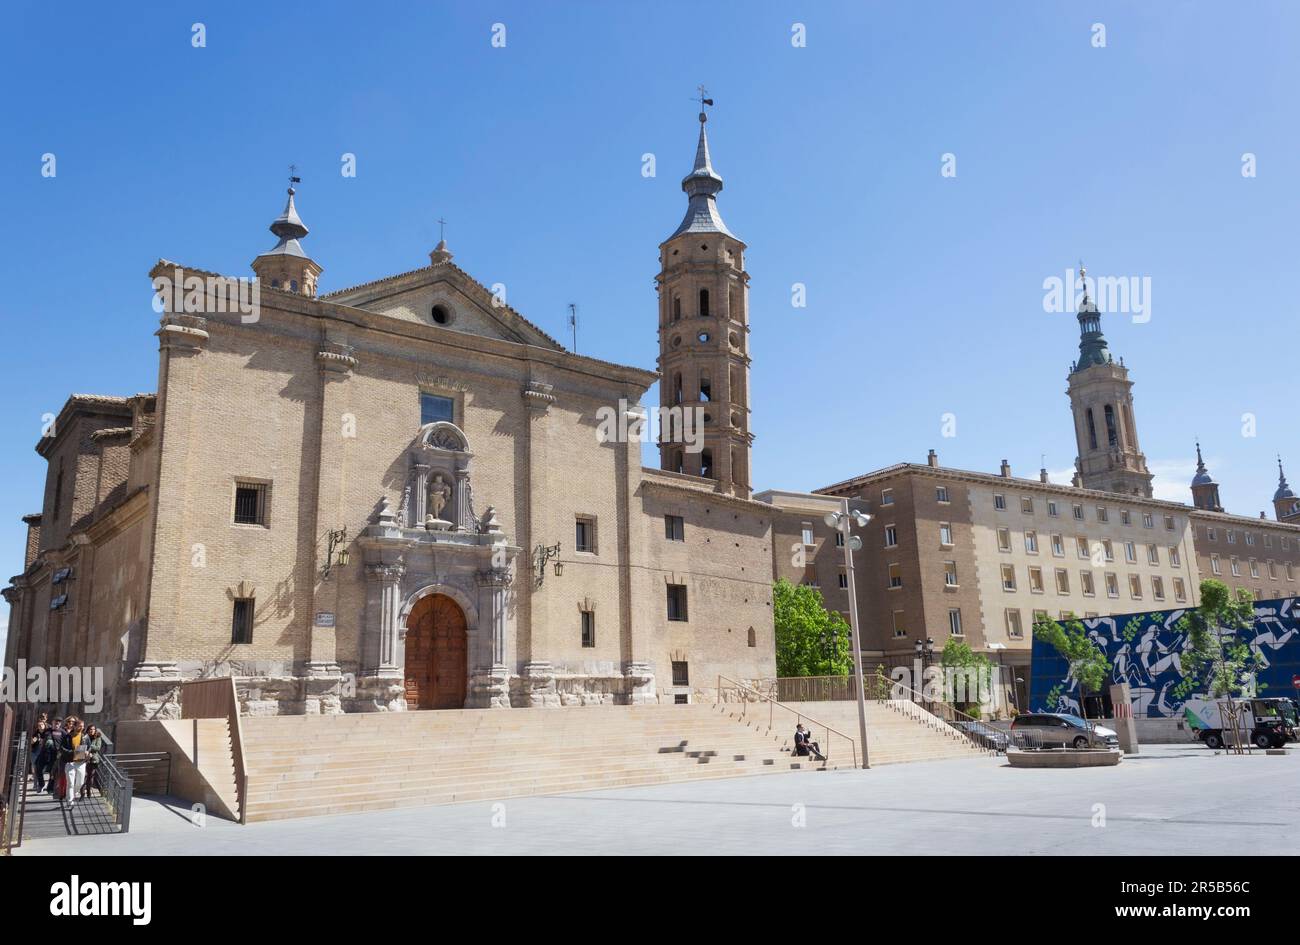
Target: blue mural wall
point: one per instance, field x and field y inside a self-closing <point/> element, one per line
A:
<point x="1151" y="662"/>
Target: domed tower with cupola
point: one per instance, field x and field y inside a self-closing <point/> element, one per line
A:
<point x="1101" y="397"/>
<point x="285" y="266"/>
<point x="1285" y="503"/>
<point x="704" y="339"/>
<point x="1205" y="491"/>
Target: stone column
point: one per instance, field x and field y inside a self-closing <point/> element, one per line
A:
<point x="420" y="493"/>
<point x="464" y="521"/>
<point x="539" y="674"/>
<point x="382" y="686"/>
<point x="491" y="688"/>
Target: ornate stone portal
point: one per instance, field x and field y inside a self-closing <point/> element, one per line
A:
<point x="435" y="543"/>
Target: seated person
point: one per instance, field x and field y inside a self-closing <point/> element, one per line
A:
<point x="804" y="745"/>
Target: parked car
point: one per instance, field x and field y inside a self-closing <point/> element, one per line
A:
<point x="1059" y="729"/>
<point x="983" y="734"/>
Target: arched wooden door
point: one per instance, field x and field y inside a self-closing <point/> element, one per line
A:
<point x="437" y="653"/>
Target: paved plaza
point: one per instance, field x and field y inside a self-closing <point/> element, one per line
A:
<point x="1171" y="799"/>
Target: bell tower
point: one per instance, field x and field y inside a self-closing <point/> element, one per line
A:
<point x="286" y="266"/>
<point x="1285" y="503"/>
<point x="1101" y="397"/>
<point x="704" y="338"/>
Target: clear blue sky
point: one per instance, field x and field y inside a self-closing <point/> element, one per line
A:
<point x="924" y="293"/>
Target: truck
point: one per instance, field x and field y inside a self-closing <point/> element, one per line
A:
<point x="1266" y="723"/>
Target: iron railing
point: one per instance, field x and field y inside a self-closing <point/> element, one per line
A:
<point x="15" y="795"/>
<point x="748" y="694"/>
<point x="117" y="790"/>
<point x="149" y="771"/>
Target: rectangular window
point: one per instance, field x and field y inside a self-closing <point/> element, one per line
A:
<point x="1175" y="559"/>
<point x="886" y="496"/>
<point x="1232" y="537"/>
<point x="1078" y="512"/>
<point x="1153" y="554"/>
<point x="674" y="528"/>
<point x="941" y="494"/>
<point x="1062" y="581"/>
<point x="1135" y="586"/>
<point x="1014" y="630"/>
<point x="1254" y="568"/>
<point x="895" y="575"/>
<point x="1290" y="574"/>
<point x="1036" y="580"/>
<point x="950" y="573"/>
<point x="1268" y="541"/>
<point x="999" y="501"/>
<point x="1130" y="552"/>
<point x="1004" y="539"/>
<point x="1008" y="578"/>
<point x="241" y="622"/>
<point x="1026" y="505"/>
<point x="1212" y="534"/>
<point x="1058" y="546"/>
<point x="1081" y="546"/>
<point x="1147" y="520"/>
<point x="1085" y="582"/>
<point x="844" y="580"/>
<point x="1031" y="542"/>
<point x="1236" y="567"/>
<point x="839" y="539"/>
<point x="945" y="534"/>
<point x="681" y="673"/>
<point x="954" y="622"/>
<point x="900" y="626"/>
<point x="435" y="409"/>
<point x="1169" y="522"/>
<point x="1215" y="566"/>
<point x="1125" y="517"/>
<point x="1102" y="514"/>
<point x="677" y="602"/>
<point x="1112" y="585"/>
<point x="1108" y="549"/>
<point x="588" y="628"/>
<point x="585" y="535"/>
<point x="1180" y="590"/>
<point x="250" y="503"/>
<point x="1051" y="509"/>
<point x="1157" y="587"/>
<point x="891" y="536"/>
<point x="807" y="534"/>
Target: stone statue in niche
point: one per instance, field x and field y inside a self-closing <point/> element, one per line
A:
<point x="439" y="496"/>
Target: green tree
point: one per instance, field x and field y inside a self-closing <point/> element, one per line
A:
<point x="810" y="640"/>
<point x="1088" y="662"/>
<point x="1217" y="661"/>
<point x="965" y="674"/>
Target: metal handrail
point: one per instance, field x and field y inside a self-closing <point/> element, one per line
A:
<point x="117" y="790"/>
<point x="17" y="801"/>
<point x="978" y="732"/>
<point x="800" y="716"/>
<point x="140" y="765"/>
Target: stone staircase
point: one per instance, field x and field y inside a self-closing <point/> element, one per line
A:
<point x="300" y="766"/>
<point x="897" y="730"/>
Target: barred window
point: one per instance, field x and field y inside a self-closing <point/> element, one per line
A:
<point x="241" y="622"/>
<point x="250" y="503"/>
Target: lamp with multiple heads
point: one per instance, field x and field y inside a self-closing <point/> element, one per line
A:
<point x="843" y="522"/>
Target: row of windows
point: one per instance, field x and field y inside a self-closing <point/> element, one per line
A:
<point x="1078" y="512"/>
<point x="1216" y="566"/>
<point x="1087" y="584"/>
<point x="1104" y="548"/>
<point x="1212" y="534"/>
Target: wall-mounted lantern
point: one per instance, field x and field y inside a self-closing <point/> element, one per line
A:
<point x="543" y="554"/>
<point x="334" y="539"/>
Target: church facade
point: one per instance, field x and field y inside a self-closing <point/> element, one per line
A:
<point x="406" y="495"/>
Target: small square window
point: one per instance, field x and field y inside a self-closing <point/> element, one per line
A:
<point x="241" y="622"/>
<point x="250" y="503"/>
<point x="434" y="409"/>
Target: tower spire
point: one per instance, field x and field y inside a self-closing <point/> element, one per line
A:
<point x="1283" y="488"/>
<point x="1205" y="491"/>
<point x="286" y="265"/>
<point x="1092" y="344"/>
<point x="702" y="185"/>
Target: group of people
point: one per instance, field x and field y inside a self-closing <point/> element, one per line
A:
<point x="65" y="758"/>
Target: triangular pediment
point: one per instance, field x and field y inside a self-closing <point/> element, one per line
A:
<point x="463" y="304"/>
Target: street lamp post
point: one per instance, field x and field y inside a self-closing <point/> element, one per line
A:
<point x="843" y="521"/>
<point x="924" y="652"/>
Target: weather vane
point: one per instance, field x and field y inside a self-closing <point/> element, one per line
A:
<point x="293" y="175"/>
